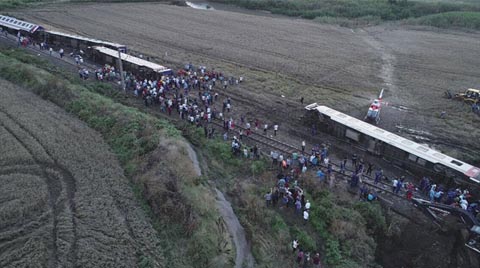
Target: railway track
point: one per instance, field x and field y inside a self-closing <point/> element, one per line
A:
<point x="382" y="188"/>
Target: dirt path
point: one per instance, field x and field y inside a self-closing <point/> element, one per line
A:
<point x="193" y="157"/>
<point x="388" y="61"/>
<point x="395" y="101"/>
<point x="244" y="256"/>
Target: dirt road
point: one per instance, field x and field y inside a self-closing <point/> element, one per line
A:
<point x="64" y="199"/>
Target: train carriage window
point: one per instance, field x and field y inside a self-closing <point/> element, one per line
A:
<point x="423" y="149"/>
<point x="412" y="157"/>
<point x="458" y="163"/>
<point x="421" y="161"/>
<point x="352" y="135"/>
<point x="439" y="155"/>
<point x="407" y="142"/>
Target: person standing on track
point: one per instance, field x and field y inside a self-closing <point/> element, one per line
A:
<point x="369" y="168"/>
<point x="275" y="129"/>
<point x="354" y="161"/>
<point x="378" y="175"/>
<point x="265" y="128"/>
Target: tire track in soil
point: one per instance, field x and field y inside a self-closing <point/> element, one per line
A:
<point x="54" y="186"/>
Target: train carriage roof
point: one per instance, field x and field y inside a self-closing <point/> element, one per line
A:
<point x="134" y="60"/>
<point x="16" y="24"/>
<point x="82" y="38"/>
<point x="409" y="146"/>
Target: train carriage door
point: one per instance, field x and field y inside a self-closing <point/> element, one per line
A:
<point x="374" y="146"/>
<point x="353" y="135"/>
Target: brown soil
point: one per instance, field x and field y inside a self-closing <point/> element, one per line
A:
<point x="64" y="199"/>
<point x="339" y="67"/>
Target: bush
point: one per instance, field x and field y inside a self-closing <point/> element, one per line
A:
<point x="372" y="213"/>
<point x="469" y="20"/>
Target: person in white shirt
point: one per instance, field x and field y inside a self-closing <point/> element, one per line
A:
<point x="307" y="205"/>
<point x="275" y="128"/>
<point x="295" y="244"/>
<point x="305" y="216"/>
<point x="395" y="182"/>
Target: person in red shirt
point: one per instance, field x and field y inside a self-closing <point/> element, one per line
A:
<point x="316" y="261"/>
<point x="410" y="189"/>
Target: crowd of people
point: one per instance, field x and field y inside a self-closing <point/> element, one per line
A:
<point x="191" y="94"/>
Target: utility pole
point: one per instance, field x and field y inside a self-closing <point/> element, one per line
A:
<point x="120" y="66"/>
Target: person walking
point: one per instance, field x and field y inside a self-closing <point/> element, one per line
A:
<point x="303" y="147"/>
<point x="305" y="216"/>
<point x="300" y="256"/>
<point x="316" y="261"/>
<point x="369" y="168"/>
<point x="307" y="205"/>
<point x="298" y="206"/>
<point x="295" y="244"/>
<point x="394" y="185"/>
<point x="275" y="129"/>
<point x="61" y="52"/>
<point x="378" y="175"/>
<point x="342" y="167"/>
<point x="399" y="185"/>
<point x="265" y="127"/>
<point x="268" y="198"/>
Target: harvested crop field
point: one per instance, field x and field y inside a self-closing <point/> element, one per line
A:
<point x="340" y="67"/>
<point x="64" y="201"/>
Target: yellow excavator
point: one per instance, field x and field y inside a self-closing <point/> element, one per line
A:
<point x="470" y="96"/>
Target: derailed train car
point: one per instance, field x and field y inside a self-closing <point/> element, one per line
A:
<point x="402" y="152"/>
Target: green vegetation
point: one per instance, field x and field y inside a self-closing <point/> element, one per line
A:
<point x="361" y="12"/>
<point x="10" y="4"/>
<point x="346" y="229"/>
<point x="470" y="20"/>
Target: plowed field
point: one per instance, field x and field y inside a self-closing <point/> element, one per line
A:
<point x="340" y="67"/>
<point x="64" y="201"/>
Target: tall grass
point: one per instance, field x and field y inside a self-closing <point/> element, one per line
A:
<point x="354" y="9"/>
<point x="454" y="19"/>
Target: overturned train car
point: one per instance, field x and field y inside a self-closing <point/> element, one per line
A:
<point x="409" y="155"/>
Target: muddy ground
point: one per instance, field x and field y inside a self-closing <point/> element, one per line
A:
<point x="340" y="67"/>
<point x="64" y="201"/>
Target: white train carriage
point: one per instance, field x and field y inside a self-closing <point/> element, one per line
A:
<point x="130" y="63"/>
<point x="14" y="24"/>
<point x="78" y="42"/>
<point x="403" y="152"/>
